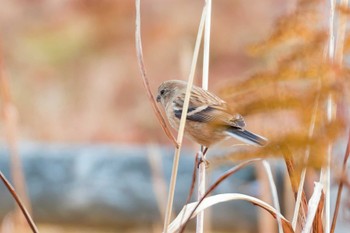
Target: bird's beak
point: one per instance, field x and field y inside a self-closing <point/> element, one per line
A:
<point x="158" y="98"/>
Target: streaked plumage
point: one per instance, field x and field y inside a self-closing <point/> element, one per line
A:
<point x="208" y="117"/>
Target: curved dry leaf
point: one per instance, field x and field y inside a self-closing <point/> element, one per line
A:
<point x="220" y="198"/>
<point x="139" y="53"/>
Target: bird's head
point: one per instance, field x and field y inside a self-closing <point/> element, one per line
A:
<point x="168" y="89"/>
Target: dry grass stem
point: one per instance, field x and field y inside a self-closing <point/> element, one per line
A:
<point x="19" y="203"/>
<point x="341" y="185"/>
<point x="274" y="194"/>
<point x="294" y="179"/>
<point x="201" y="192"/>
<point x="182" y="124"/>
<point x="335" y="55"/>
<point x="303" y="172"/>
<point x="176" y="142"/>
<point x="313" y="207"/>
<point x="341" y="31"/>
<point x="264" y="221"/>
<point x="193" y="182"/>
<point x="139" y="53"/>
<point x="194" y="178"/>
<point x="317" y="225"/>
<point x="205" y="81"/>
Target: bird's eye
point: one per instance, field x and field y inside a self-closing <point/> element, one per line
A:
<point x="162" y="92"/>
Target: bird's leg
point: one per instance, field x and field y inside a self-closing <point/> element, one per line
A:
<point x="202" y="158"/>
<point x="205" y="150"/>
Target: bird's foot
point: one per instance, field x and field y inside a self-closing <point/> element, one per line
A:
<point x="202" y="159"/>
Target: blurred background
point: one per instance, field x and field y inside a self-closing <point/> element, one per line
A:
<point x="73" y="70"/>
<point x="94" y="156"/>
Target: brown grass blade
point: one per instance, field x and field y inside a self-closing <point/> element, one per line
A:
<point x="313" y="207"/>
<point x="191" y="210"/>
<point x="295" y="179"/>
<point x="19" y="203"/>
<point x="317" y="225"/>
<point x="150" y="96"/>
<point x="341" y="185"/>
<point x="194" y="178"/>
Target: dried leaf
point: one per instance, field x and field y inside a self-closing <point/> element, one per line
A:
<point x="220" y="198"/>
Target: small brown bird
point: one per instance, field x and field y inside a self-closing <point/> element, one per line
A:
<point x="208" y="118"/>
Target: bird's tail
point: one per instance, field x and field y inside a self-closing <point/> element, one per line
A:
<point x="247" y="136"/>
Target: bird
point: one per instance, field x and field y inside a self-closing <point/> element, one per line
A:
<point x="209" y="119"/>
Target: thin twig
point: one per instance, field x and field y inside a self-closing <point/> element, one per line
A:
<point x="341" y="185"/>
<point x="194" y="177"/>
<point x="10" y="115"/>
<point x="19" y="203"/>
<point x="145" y="79"/>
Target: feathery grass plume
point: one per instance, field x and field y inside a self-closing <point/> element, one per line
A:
<point x="297" y="75"/>
<point x="297" y="78"/>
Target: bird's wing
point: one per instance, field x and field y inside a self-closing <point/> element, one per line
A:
<point x="206" y="107"/>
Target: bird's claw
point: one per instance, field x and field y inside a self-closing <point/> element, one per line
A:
<point x="203" y="160"/>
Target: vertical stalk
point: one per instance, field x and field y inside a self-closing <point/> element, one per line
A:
<point x="338" y="58"/>
<point x="306" y="158"/>
<point x="274" y="194"/>
<point x="335" y="54"/>
<point x="206" y="46"/>
<point x="332" y="57"/>
<point x="341" y="185"/>
<point x="205" y="80"/>
<point x="201" y="192"/>
<point x="182" y="125"/>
